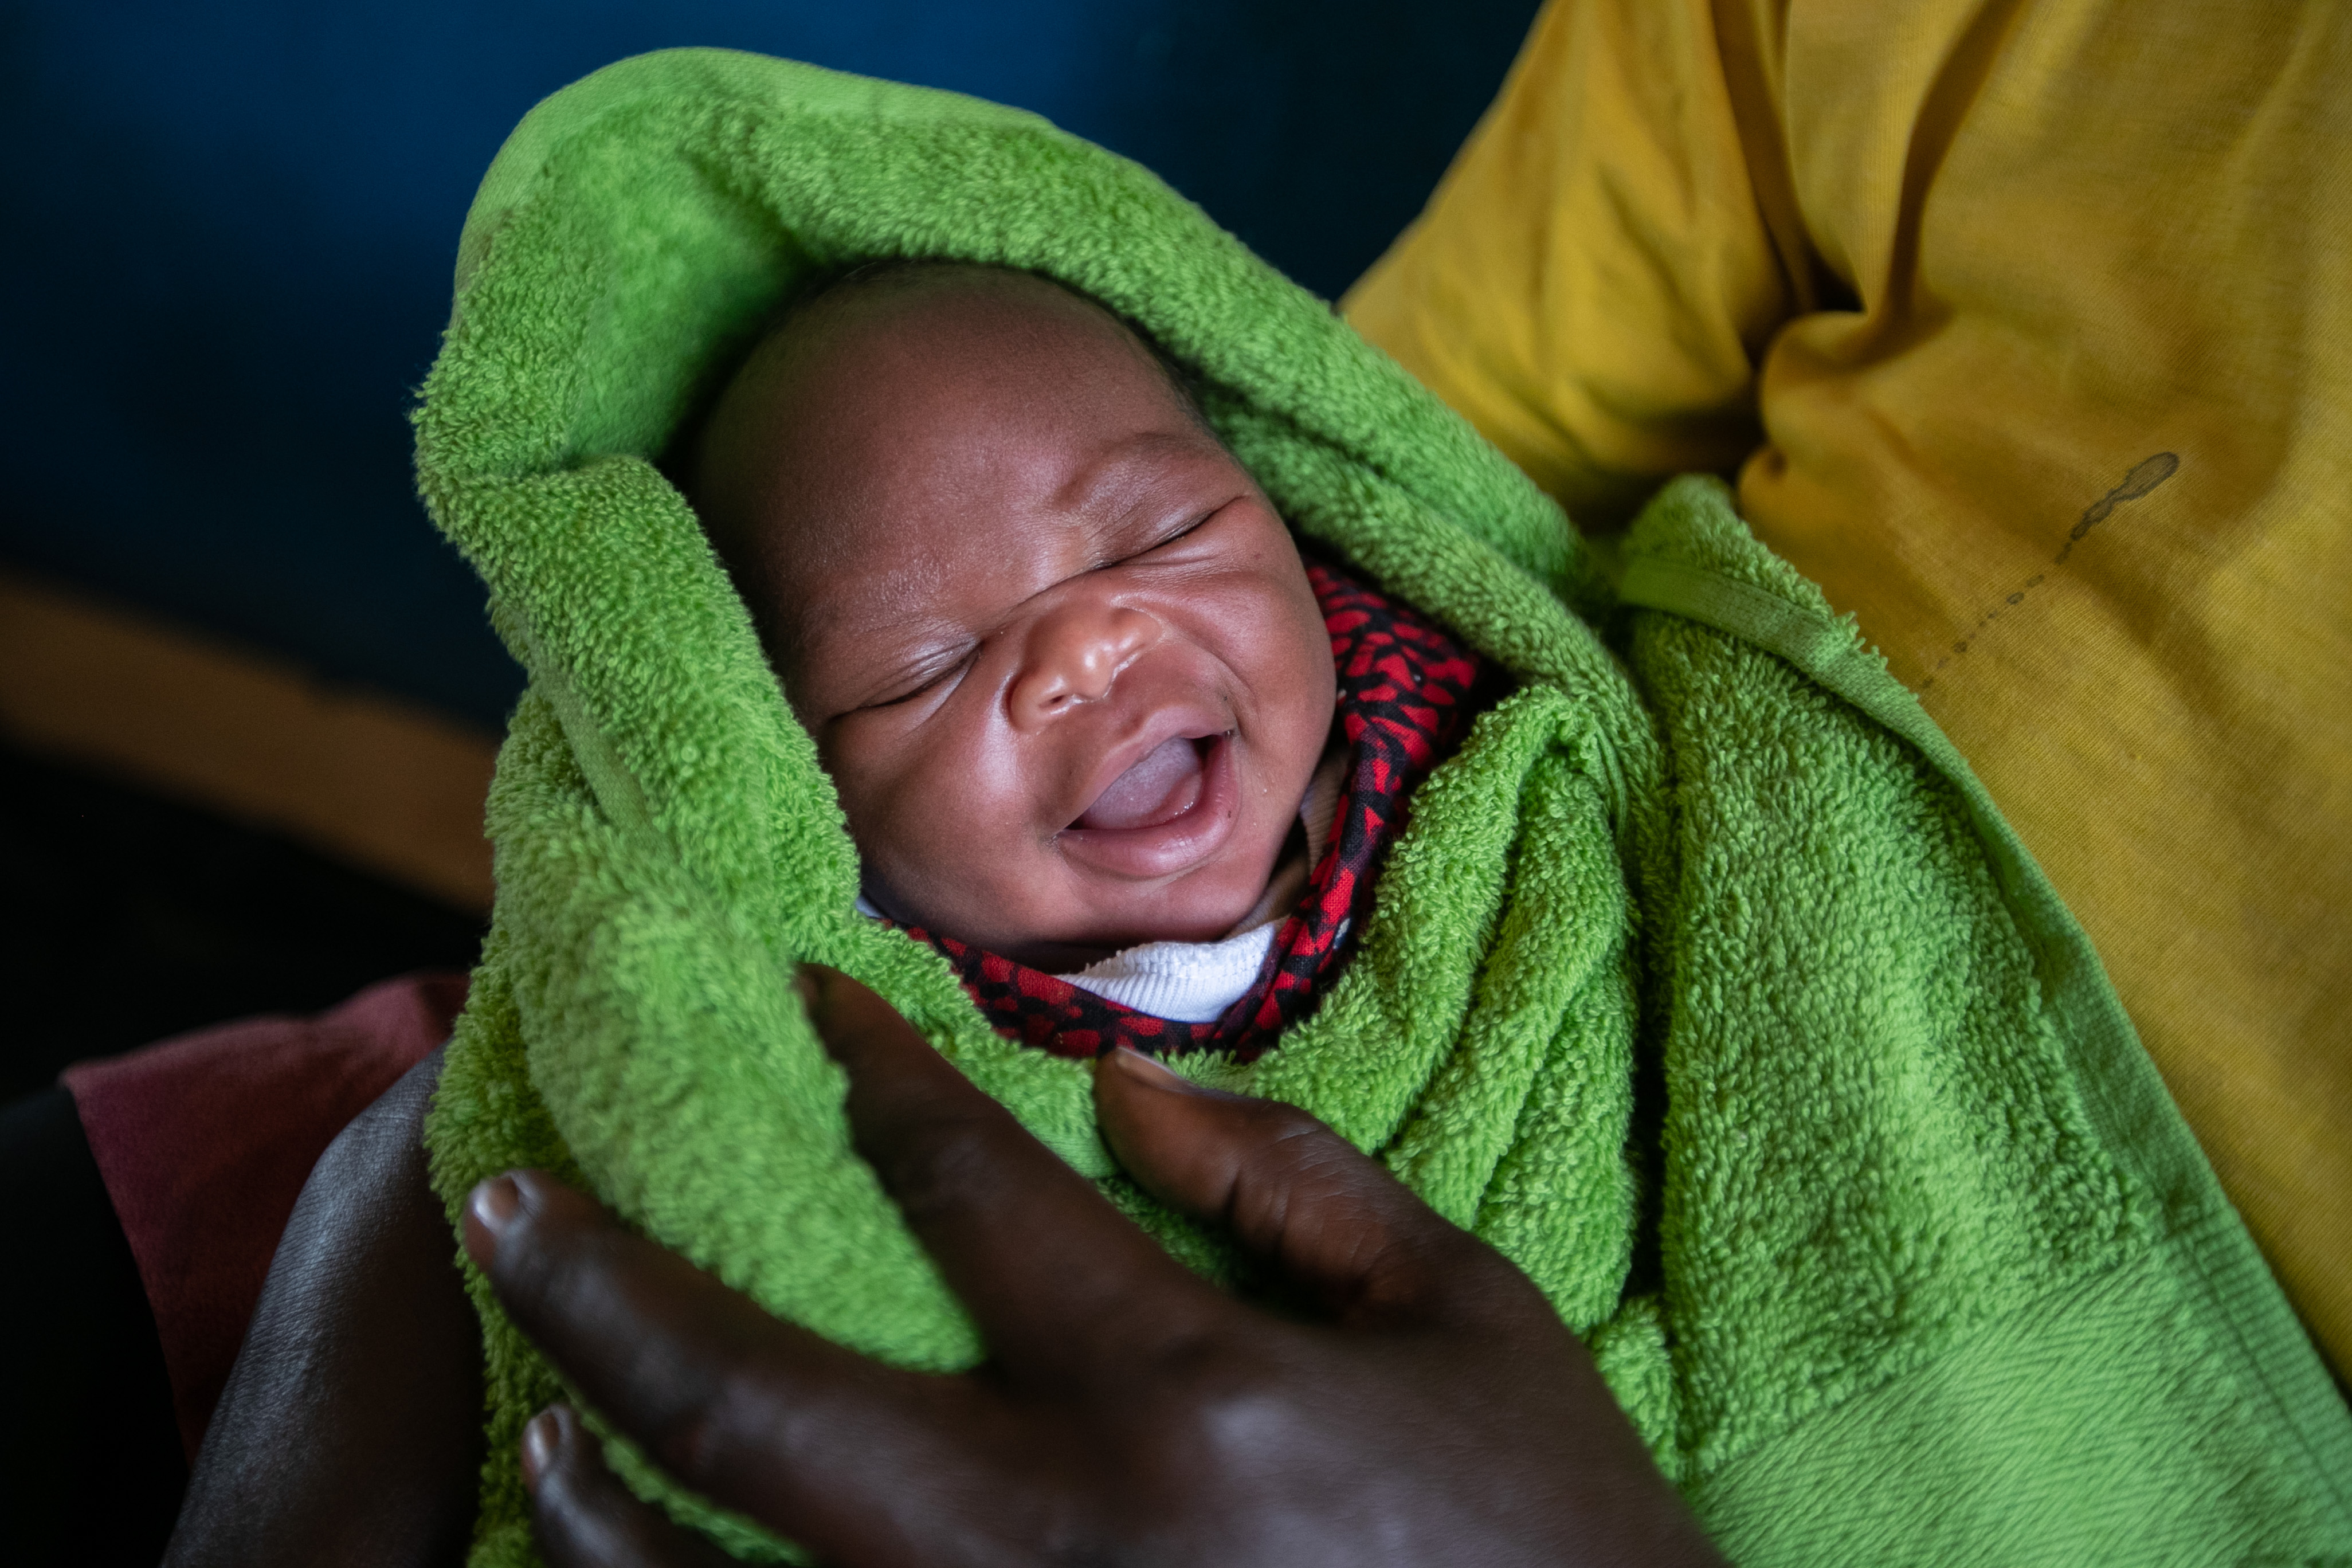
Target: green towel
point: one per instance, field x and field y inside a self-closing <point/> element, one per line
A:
<point x="1705" y="983"/>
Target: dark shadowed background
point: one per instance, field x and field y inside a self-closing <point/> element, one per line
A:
<point x="232" y="225"/>
<point x="230" y="233"/>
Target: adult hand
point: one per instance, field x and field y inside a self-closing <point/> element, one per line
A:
<point x="1129" y="1413"/>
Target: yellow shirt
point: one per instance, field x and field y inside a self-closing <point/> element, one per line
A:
<point x="2028" y="331"/>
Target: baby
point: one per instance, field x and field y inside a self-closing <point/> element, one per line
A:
<point x="1060" y="655"/>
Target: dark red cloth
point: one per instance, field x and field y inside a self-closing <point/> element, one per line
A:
<point x="205" y="1141"/>
<point x="1406" y="693"/>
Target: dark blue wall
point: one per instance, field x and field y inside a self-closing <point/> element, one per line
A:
<point x="230" y="228"/>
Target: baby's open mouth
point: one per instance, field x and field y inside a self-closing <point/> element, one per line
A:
<point x="1160" y="787"/>
<point x="1172" y="809"/>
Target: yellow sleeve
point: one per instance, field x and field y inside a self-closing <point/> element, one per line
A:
<point x="2033" y="323"/>
<point x="1592" y="284"/>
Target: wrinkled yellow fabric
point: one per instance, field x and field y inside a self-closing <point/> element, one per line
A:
<point x="2028" y="331"/>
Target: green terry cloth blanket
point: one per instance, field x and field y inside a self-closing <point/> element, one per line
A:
<point x="1705" y="983"/>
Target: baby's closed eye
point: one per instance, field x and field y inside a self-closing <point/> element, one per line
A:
<point x="928" y="674"/>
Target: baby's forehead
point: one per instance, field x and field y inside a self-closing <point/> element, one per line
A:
<point x="974" y="373"/>
<point x="906" y="569"/>
<point x="860" y="359"/>
<point x="890" y="409"/>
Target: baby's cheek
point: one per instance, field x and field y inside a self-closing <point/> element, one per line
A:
<point x="947" y="850"/>
<point x="1300" y="682"/>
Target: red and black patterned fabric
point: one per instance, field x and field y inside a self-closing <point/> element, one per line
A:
<point x="1404" y="700"/>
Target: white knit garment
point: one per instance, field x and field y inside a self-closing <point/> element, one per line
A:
<point x="1189" y="982"/>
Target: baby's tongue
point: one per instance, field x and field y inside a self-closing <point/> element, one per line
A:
<point x="1164" y="784"/>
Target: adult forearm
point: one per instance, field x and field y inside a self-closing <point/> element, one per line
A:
<point x="350" y="1429"/>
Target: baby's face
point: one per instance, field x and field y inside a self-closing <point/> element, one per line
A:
<point x="1058" y="652"/>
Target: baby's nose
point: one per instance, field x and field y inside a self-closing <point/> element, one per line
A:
<point x="1074" y="655"/>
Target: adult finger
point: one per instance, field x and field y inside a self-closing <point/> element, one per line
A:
<point x="1295" y="1192"/>
<point x="843" y="1452"/>
<point x="1037" y="1255"/>
<point x="586" y="1517"/>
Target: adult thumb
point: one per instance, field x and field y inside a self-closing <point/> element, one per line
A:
<point x="1294" y="1193"/>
